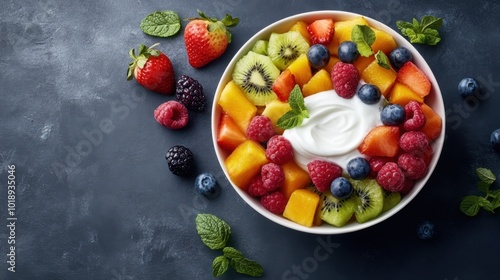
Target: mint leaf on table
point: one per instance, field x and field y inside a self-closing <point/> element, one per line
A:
<point x="161" y="24"/>
<point x="219" y="266"/>
<point x="485" y="175"/>
<point x="423" y="32"/>
<point x="364" y="37"/>
<point x="247" y="267"/>
<point x="382" y="60"/>
<point x="213" y="231"/>
<point x="296" y="115"/>
<point x="472" y="204"/>
<point x="232" y="253"/>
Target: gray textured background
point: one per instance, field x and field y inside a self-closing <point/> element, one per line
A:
<point x="115" y="212"/>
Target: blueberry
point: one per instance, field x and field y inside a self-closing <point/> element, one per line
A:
<point x="341" y="188"/>
<point x="426" y="230"/>
<point x="318" y="56"/>
<point x="393" y="114"/>
<point x="369" y="94"/>
<point x="495" y="140"/>
<point x="358" y="168"/>
<point x="399" y="56"/>
<point x="468" y="87"/>
<point x="348" y="52"/>
<point x="206" y="184"/>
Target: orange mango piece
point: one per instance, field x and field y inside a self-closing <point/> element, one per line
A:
<point x="301" y="70"/>
<point x="401" y="94"/>
<point x="321" y="81"/>
<point x="234" y="103"/>
<point x="379" y="76"/>
<point x="295" y="178"/>
<point x="433" y="122"/>
<point x="301" y="207"/>
<point x="245" y="162"/>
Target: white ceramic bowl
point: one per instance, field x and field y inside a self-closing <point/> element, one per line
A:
<point x="434" y="100"/>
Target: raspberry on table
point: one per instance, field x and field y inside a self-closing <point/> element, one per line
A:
<point x="323" y="173"/>
<point x="274" y="202"/>
<point x="180" y="160"/>
<point x="272" y="176"/>
<point x="172" y="114"/>
<point x="279" y="150"/>
<point x="256" y="187"/>
<point x="414" y="141"/>
<point x="260" y="129"/>
<point x="412" y="165"/>
<point x="415" y="118"/>
<point x="190" y="93"/>
<point x="345" y="79"/>
<point x="391" y="177"/>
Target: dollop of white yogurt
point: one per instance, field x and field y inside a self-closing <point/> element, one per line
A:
<point x="334" y="130"/>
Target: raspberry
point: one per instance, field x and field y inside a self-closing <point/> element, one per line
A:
<point x="172" y="114"/>
<point x="260" y="129"/>
<point x="345" y="78"/>
<point x="279" y="150"/>
<point x="323" y="173"/>
<point x="412" y="165"/>
<point x="414" y="141"/>
<point x="376" y="164"/>
<point x="274" y="202"/>
<point x="272" y="176"/>
<point x="390" y="177"/>
<point x="190" y="93"/>
<point x="407" y="186"/>
<point x="415" y="118"/>
<point x="256" y="187"/>
<point x="180" y="160"/>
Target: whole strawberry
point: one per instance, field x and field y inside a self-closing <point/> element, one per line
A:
<point x="152" y="69"/>
<point x="207" y="38"/>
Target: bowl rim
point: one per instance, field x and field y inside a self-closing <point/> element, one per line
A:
<point x="282" y="25"/>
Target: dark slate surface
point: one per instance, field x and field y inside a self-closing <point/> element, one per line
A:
<point x="94" y="198"/>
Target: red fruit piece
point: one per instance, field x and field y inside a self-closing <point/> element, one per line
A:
<point x="172" y="114"/>
<point x="279" y="150"/>
<point x="381" y="141"/>
<point x="414" y="142"/>
<point x="152" y="69"/>
<point x="256" y="187"/>
<point x="376" y="164"/>
<point x="412" y="165"/>
<point x="415" y="118"/>
<point x="274" y="202"/>
<point x="272" y="176"/>
<point x="229" y="135"/>
<point x="323" y="173"/>
<point x="260" y="129"/>
<point x="390" y="177"/>
<point x="408" y="185"/>
<point x="345" y="79"/>
<point x="284" y="84"/>
<point x="414" y="78"/>
<point x="321" y="31"/>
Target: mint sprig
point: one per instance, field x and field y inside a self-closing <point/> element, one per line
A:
<point x="382" y="60"/>
<point x="471" y="204"/>
<point x="423" y="32"/>
<point x="296" y="115"/>
<point x="214" y="233"/>
<point x="364" y="37"/>
<point x="161" y="24"/>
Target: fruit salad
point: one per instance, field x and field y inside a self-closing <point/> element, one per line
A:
<point x="323" y="128"/>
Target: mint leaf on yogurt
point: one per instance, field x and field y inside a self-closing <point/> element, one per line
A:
<point x="161" y="24"/>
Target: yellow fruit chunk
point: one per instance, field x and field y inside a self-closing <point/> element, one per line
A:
<point x="379" y="76"/>
<point x="245" y="162"/>
<point x="301" y="70"/>
<point x="331" y="63"/>
<point x="295" y="178"/>
<point x="301" y="207"/>
<point x="433" y="122"/>
<point x="274" y="110"/>
<point x="362" y="62"/>
<point x="234" y="103"/>
<point x="343" y="30"/>
<point x="321" y="81"/>
<point x="383" y="42"/>
<point x="301" y="27"/>
<point x="401" y="94"/>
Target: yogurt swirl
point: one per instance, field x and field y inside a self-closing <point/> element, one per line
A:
<point x="335" y="128"/>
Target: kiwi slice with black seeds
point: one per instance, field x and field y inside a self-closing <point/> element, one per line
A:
<point x="391" y="199"/>
<point x="370" y="199"/>
<point x="260" y="47"/>
<point x="336" y="211"/>
<point x="255" y="74"/>
<point x="284" y="48"/>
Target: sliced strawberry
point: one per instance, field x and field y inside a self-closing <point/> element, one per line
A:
<point x="229" y="135"/>
<point x="381" y="141"/>
<point x="284" y="84"/>
<point x="414" y="78"/>
<point x="321" y="31"/>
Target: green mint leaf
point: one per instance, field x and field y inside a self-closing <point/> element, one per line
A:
<point x="495" y="202"/>
<point x="423" y="32"/>
<point x="299" y="111"/>
<point x="364" y="37"/>
<point x="485" y="204"/>
<point x="495" y="194"/>
<point x="485" y="175"/>
<point x="470" y="205"/>
<point x="232" y="253"/>
<point x="289" y="120"/>
<point x="403" y="25"/>
<point x="382" y="60"/>
<point x="431" y="22"/>
<point x="220" y="266"/>
<point x="483" y="186"/>
<point x="213" y="231"/>
<point x="247" y="267"/>
<point x="296" y="100"/>
<point x="161" y="24"/>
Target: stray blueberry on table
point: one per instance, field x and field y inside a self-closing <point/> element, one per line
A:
<point x="348" y="52"/>
<point x="206" y="184"/>
<point x="180" y="160"/>
<point x="318" y="56"/>
<point x="399" y="56"/>
<point x="426" y="230"/>
<point x="358" y="168"/>
<point x="369" y="94"/>
<point x="341" y="188"/>
<point x="495" y="140"/>
<point x="393" y="114"/>
<point x="468" y="87"/>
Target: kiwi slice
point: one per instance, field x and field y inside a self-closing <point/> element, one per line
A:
<point x="255" y="74"/>
<point x="391" y="199"/>
<point x="335" y="211"/>
<point x="260" y="47"/>
<point x="370" y="197"/>
<point x="284" y="48"/>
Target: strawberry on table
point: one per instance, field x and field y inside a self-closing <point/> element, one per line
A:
<point x="152" y="69"/>
<point x="207" y="38"/>
<point x="321" y="31"/>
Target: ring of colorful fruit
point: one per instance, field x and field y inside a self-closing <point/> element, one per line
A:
<point x="254" y="94"/>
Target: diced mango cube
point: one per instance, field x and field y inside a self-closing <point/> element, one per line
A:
<point x="295" y="178"/>
<point x="321" y="81"/>
<point x="379" y="76"/>
<point x="433" y="122"/>
<point x="234" y="103"/>
<point x="301" y="27"/>
<point x="275" y="110"/>
<point x="362" y="62"/>
<point x="401" y="94"/>
<point x="245" y="162"/>
<point x="301" y="70"/>
<point x="343" y="30"/>
<point x="383" y="42"/>
<point x="301" y="207"/>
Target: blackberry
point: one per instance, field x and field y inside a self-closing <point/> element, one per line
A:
<point x="180" y="160"/>
<point x="190" y="93"/>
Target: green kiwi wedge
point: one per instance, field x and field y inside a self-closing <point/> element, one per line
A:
<point x="260" y="47"/>
<point x="391" y="199"/>
<point x="335" y="211"/>
<point x="370" y="199"/>
<point x="255" y="74"/>
<point x="284" y="48"/>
